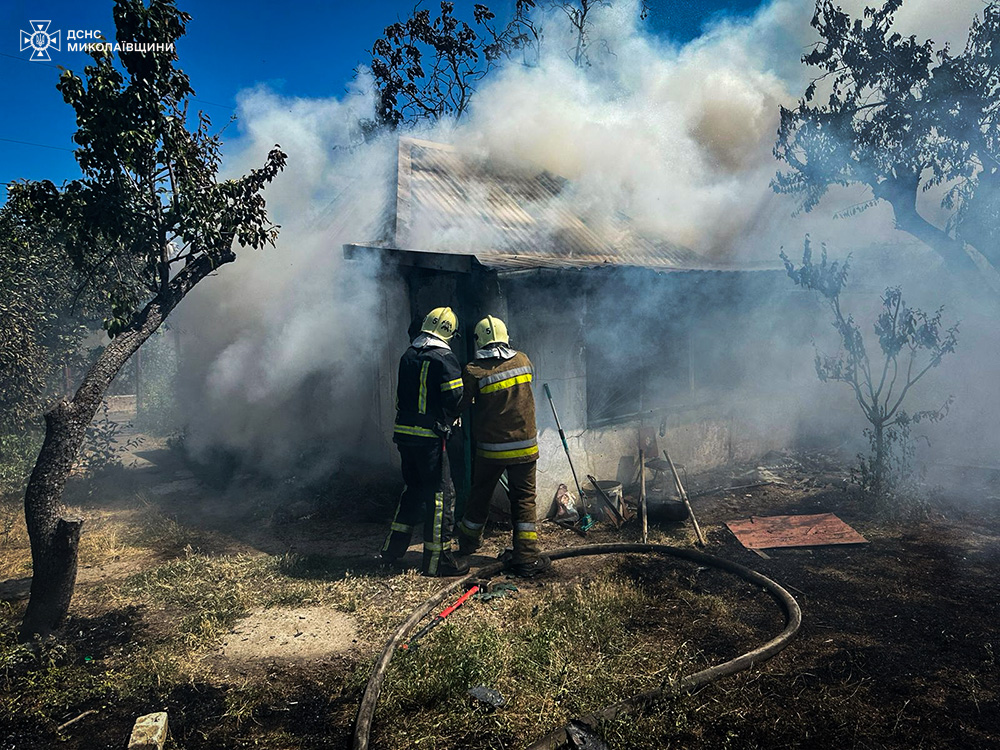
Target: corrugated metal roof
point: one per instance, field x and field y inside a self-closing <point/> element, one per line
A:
<point x="514" y="218"/>
<point x="512" y="262"/>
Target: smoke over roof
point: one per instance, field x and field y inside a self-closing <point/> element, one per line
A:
<point x="676" y="137"/>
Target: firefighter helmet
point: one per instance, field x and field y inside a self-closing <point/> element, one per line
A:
<point x="441" y="322"/>
<point x="491" y="330"/>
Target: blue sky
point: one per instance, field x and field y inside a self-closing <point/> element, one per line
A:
<point x="302" y="48"/>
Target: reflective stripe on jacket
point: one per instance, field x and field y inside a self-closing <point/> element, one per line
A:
<point x="428" y="390"/>
<point x="503" y="412"/>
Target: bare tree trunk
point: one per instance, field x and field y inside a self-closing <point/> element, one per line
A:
<point x="952" y="251"/>
<point x="959" y="257"/>
<point x="881" y="459"/>
<point x="581" y="32"/>
<point x="55" y="540"/>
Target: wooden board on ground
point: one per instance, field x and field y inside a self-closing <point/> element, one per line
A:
<point x="767" y="532"/>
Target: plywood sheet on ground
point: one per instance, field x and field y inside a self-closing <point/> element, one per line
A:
<point x="767" y="532"/>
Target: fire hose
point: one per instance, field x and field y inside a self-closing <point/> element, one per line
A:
<point x="689" y="683"/>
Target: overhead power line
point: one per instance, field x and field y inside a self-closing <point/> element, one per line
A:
<point x="33" y="62"/>
<point x="214" y="104"/>
<point x="39" y="145"/>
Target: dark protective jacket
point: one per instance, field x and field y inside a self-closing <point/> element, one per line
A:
<point x="503" y="413"/>
<point x="428" y="391"/>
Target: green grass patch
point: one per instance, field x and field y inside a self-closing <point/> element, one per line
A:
<point x="211" y="593"/>
<point x="552" y="658"/>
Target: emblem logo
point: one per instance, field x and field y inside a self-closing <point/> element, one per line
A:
<point x="39" y="40"/>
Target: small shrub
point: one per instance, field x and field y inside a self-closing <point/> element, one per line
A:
<point x="912" y="342"/>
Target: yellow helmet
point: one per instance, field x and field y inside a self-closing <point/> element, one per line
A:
<point x="491" y="330"/>
<point x="441" y="322"/>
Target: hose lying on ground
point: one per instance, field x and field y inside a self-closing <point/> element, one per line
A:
<point x="553" y="740"/>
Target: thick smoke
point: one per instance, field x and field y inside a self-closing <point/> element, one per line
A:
<point x="269" y="344"/>
<point x="677" y="137"/>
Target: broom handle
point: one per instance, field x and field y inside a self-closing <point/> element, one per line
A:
<point x="642" y="496"/>
<point x="562" y="436"/>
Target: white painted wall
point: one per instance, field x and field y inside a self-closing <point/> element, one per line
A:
<point x="549" y="329"/>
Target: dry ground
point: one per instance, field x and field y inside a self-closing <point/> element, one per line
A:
<point x="897" y="647"/>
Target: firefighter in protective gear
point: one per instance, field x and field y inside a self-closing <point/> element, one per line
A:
<point x="428" y="396"/>
<point x="498" y="383"/>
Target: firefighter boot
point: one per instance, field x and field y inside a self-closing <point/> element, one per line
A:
<point x="444" y="565"/>
<point x="527" y="560"/>
<point x="531" y="568"/>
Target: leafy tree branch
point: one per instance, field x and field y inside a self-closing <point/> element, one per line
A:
<point x="900" y="117"/>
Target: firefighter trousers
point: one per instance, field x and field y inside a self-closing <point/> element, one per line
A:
<point x="520" y="489"/>
<point x="426" y="496"/>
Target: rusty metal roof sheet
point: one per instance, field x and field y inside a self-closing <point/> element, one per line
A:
<point x="767" y="532"/>
<point x="514" y="218"/>
<point x="511" y="262"/>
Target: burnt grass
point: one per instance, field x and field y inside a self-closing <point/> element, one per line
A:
<point x="897" y="644"/>
<point x="896" y="650"/>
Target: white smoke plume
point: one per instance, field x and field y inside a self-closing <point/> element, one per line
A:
<point x="268" y="344"/>
<point x="678" y="137"/>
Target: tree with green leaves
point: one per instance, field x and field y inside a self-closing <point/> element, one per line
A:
<point x="43" y="323"/>
<point x="912" y="343"/>
<point x="899" y="117"/>
<point x="38" y="328"/>
<point x="150" y="212"/>
<point x="428" y="68"/>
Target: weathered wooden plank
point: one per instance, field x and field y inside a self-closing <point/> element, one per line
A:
<point x="767" y="532"/>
